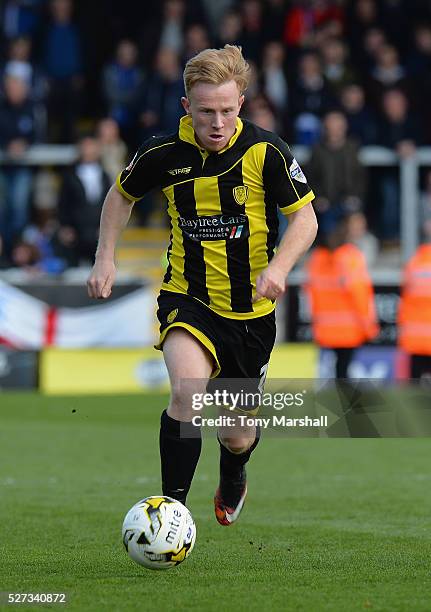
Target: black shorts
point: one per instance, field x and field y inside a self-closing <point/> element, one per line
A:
<point x="241" y="349"/>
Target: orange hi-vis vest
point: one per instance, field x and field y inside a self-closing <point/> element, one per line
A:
<point x="414" y="314"/>
<point x="341" y="297"/>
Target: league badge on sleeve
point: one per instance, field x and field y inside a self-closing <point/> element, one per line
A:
<point x="296" y="172"/>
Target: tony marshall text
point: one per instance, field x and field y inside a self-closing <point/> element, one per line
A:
<point x="264" y="422"/>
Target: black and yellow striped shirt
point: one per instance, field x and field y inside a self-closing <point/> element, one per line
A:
<point x="223" y="210"/>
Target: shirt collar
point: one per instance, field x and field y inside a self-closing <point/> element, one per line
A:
<point x="187" y="132"/>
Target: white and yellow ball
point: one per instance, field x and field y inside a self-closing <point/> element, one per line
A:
<point x="159" y="532"/>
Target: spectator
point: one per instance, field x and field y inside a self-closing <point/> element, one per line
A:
<point x="310" y="98"/>
<point x="196" y="40"/>
<point x="82" y="194"/>
<point x="336" y="174"/>
<point x="260" y="112"/>
<point x="386" y="74"/>
<point x="230" y="29"/>
<point x="172" y="31"/>
<point x="25" y="256"/>
<point x="419" y="58"/>
<point x="414" y="314"/>
<point x="327" y="31"/>
<point x="305" y="18"/>
<point x="337" y="71"/>
<point x="362" y="16"/>
<point x="17" y="132"/>
<point x="113" y="149"/>
<point x="254" y="87"/>
<point x="46" y="186"/>
<point x="274" y="79"/>
<point x="374" y="40"/>
<point x="341" y="298"/>
<point x="299" y="26"/>
<point x="163" y="94"/>
<point x="62" y="62"/>
<point x="165" y="29"/>
<point x="20" y="17"/>
<point x="419" y="69"/>
<point x="123" y="81"/>
<point x="361" y="120"/>
<point x="39" y="251"/>
<point x="357" y="233"/>
<point x="398" y="130"/>
<point x="19" y="64"/>
<point x="252" y="34"/>
<point x="215" y="12"/>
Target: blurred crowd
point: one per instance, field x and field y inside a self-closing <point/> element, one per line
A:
<point x="333" y="75"/>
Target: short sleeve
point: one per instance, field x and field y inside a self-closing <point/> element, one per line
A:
<point x="283" y="179"/>
<point x="143" y="172"/>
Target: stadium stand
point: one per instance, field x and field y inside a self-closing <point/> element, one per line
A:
<point x="307" y="58"/>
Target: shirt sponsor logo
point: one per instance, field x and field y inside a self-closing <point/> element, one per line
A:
<point x="296" y="172"/>
<point x="240" y="194"/>
<point x="216" y="227"/>
<point x="177" y="171"/>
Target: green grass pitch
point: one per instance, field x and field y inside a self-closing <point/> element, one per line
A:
<point x="329" y="524"/>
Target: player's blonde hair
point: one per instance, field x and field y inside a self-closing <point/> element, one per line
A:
<point x="217" y="66"/>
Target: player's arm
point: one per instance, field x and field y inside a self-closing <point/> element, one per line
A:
<point x="297" y="239"/>
<point x="285" y="184"/>
<point x="115" y="215"/>
<point x="141" y="175"/>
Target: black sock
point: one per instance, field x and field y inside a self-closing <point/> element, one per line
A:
<point x="231" y="464"/>
<point x="179" y="455"/>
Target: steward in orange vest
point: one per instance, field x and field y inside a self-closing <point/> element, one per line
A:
<point x="341" y="299"/>
<point x="414" y="314"/>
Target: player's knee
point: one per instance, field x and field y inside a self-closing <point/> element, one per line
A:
<point x="237" y="445"/>
<point x="180" y="404"/>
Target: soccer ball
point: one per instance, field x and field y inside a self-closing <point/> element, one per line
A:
<point x="159" y="532"/>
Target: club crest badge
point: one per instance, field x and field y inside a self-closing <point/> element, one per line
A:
<point x="240" y="194"/>
<point x="172" y="315"/>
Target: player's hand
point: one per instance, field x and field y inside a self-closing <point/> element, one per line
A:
<point x="271" y="283"/>
<point x="101" y="279"/>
